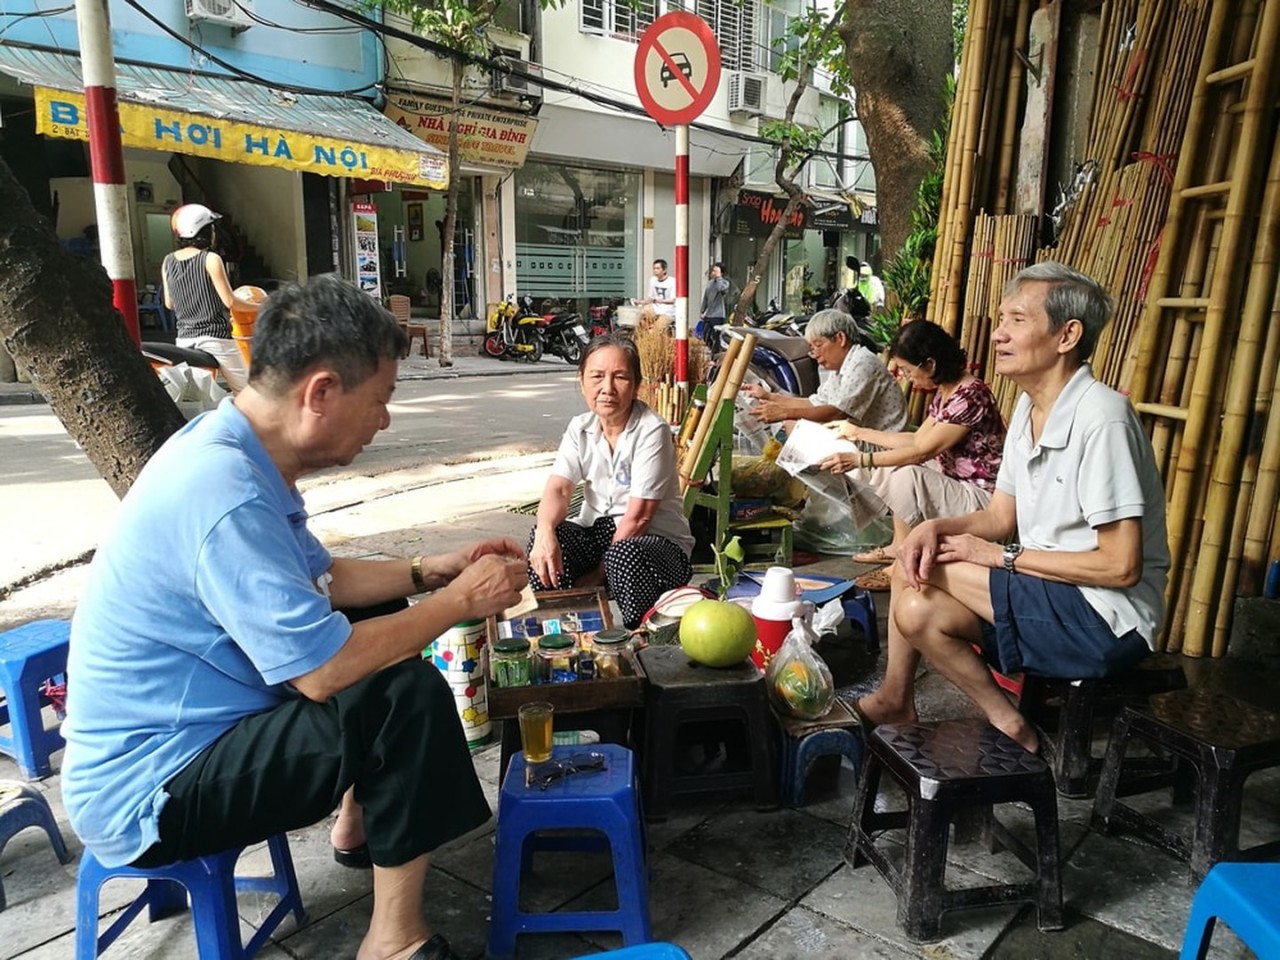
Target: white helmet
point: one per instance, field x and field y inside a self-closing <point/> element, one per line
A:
<point x="190" y="218"/>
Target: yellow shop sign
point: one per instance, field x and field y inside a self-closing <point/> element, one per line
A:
<point x="61" y="113"/>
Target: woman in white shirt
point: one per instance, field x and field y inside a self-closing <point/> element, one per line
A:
<point x="631" y="533"/>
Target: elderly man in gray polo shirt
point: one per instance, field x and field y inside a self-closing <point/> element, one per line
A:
<point x="1080" y="592"/>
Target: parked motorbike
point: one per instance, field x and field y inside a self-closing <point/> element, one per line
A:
<point x="565" y="336"/>
<point x="513" y="330"/>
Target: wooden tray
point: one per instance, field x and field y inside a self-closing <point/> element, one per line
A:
<point x="577" y="697"/>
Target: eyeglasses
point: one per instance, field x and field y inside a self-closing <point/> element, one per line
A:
<point x="542" y="775"/>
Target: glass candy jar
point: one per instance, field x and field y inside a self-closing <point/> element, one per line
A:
<point x="611" y="648"/>
<point x="558" y="658"/>
<point x="511" y="663"/>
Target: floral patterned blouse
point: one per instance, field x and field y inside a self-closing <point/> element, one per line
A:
<point x="976" y="459"/>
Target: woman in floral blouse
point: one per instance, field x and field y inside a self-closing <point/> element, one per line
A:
<point x="945" y="468"/>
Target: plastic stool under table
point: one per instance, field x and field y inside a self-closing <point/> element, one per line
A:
<point x="22" y="806"/>
<point x="605" y="801"/>
<point x="212" y="885"/>
<point x="1246" y="896"/>
<point x="948" y="770"/>
<point x="29" y="655"/>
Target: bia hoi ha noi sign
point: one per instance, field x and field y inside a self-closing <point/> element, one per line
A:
<point x="487" y="138"/>
<point x="61" y="113"/>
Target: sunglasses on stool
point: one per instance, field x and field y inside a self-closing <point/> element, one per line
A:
<point x="542" y="775"/>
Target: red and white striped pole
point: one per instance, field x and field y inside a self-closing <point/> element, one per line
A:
<point x="682" y="261"/>
<point x="106" y="157"/>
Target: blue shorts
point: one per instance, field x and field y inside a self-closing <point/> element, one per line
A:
<point x="1049" y="629"/>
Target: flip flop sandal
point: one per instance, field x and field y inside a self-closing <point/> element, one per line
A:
<point x="874" y="555"/>
<point x="875" y="581"/>
<point x="357" y="858"/>
<point x="437" y="948"/>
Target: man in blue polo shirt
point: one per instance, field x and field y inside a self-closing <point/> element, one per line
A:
<point x="1080" y="593"/>
<point x="218" y="693"/>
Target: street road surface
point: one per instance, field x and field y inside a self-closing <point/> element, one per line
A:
<point x="57" y="508"/>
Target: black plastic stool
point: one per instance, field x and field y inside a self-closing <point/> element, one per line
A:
<point x="1066" y="710"/>
<point x="950" y="770"/>
<point x="681" y="692"/>
<point x="1224" y="739"/>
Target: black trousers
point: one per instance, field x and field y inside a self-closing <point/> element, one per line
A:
<point x="395" y="736"/>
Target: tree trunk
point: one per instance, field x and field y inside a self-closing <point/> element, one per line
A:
<point x="450" y="224"/>
<point x="57" y="321"/>
<point x="899" y="55"/>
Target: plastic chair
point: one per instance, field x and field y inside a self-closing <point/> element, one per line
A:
<point x="212" y="885"/>
<point x="22" y="807"/>
<point x="400" y="307"/>
<point x="605" y="801"/>
<point x="1244" y="895"/>
<point x="805" y="741"/>
<point x="29" y="655"/>
<point x="860" y="607"/>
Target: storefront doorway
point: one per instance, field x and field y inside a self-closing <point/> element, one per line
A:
<point x="576" y="233"/>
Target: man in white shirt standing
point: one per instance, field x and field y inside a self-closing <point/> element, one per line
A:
<point x="662" y="291"/>
<point x="1080" y="592"/>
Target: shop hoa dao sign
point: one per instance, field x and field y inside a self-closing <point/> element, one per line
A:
<point x="489" y="138"/>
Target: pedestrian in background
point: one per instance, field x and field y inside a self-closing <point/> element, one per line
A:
<point x="714" y="309"/>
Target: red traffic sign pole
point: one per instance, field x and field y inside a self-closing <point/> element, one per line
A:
<point x="677" y="73"/>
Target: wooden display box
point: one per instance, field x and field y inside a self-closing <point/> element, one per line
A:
<point x="580" y="696"/>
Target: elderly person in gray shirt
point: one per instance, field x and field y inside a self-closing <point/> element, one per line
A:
<point x="862" y="388"/>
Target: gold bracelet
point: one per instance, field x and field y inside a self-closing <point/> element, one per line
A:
<point x="415" y="571"/>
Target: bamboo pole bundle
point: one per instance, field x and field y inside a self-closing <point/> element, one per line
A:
<point x="1260" y="527"/>
<point x="1210" y="587"/>
<point x="1221" y="320"/>
<point x="1003" y="161"/>
<point x="951" y="258"/>
<point x="713" y="408"/>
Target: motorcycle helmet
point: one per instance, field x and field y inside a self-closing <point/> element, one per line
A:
<point x="190" y="218"/>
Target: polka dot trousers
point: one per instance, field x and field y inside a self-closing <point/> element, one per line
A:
<point x="637" y="570"/>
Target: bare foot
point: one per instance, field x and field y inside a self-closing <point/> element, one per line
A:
<point x="348" y="829"/>
<point x="876" y="710"/>
<point x="1021" y="731"/>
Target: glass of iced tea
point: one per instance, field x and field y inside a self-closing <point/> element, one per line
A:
<point x="535" y="731"/>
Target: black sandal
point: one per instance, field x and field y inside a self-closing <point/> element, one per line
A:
<point x="437" y="948"/>
<point x="357" y="858"/>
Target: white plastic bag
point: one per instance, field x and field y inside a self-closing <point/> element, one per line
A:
<point x="799" y="680"/>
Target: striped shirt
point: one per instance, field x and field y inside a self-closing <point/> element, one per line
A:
<point x="196" y="304"/>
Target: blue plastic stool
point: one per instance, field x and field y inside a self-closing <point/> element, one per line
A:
<point x="212" y="884"/>
<point x="606" y="801"/>
<point x="860" y="607"/>
<point x="648" y="951"/>
<point x="22" y="807"/>
<point x="1244" y="895"/>
<point x="804" y="741"/>
<point x="29" y="655"/>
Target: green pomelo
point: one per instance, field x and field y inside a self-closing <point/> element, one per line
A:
<point x="717" y="634"/>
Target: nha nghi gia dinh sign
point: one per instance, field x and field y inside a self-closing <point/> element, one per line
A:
<point x="486" y="137"/>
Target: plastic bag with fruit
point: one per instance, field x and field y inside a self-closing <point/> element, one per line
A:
<point x="799" y="680"/>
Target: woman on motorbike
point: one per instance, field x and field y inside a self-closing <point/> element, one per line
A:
<point x="862" y="390"/>
<point x="631" y="533"/>
<point x="945" y="468"/>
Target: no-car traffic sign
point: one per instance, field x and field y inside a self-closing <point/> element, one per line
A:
<point x="677" y="67"/>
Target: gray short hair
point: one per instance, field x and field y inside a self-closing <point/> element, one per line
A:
<point x="1071" y="296"/>
<point x="827" y="323"/>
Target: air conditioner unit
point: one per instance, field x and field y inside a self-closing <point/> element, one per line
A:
<point x="746" y="93"/>
<point x="230" y="13"/>
<point x="513" y="83"/>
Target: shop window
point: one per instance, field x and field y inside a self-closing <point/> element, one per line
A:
<point x="617" y="18"/>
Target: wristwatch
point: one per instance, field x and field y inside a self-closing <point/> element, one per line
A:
<point x="1011" y="551"/>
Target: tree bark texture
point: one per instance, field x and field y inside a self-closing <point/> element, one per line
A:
<point x="447" y="265"/>
<point x="899" y="55"/>
<point x="57" y="321"/>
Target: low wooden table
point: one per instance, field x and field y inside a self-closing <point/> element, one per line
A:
<point x="602" y="705"/>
